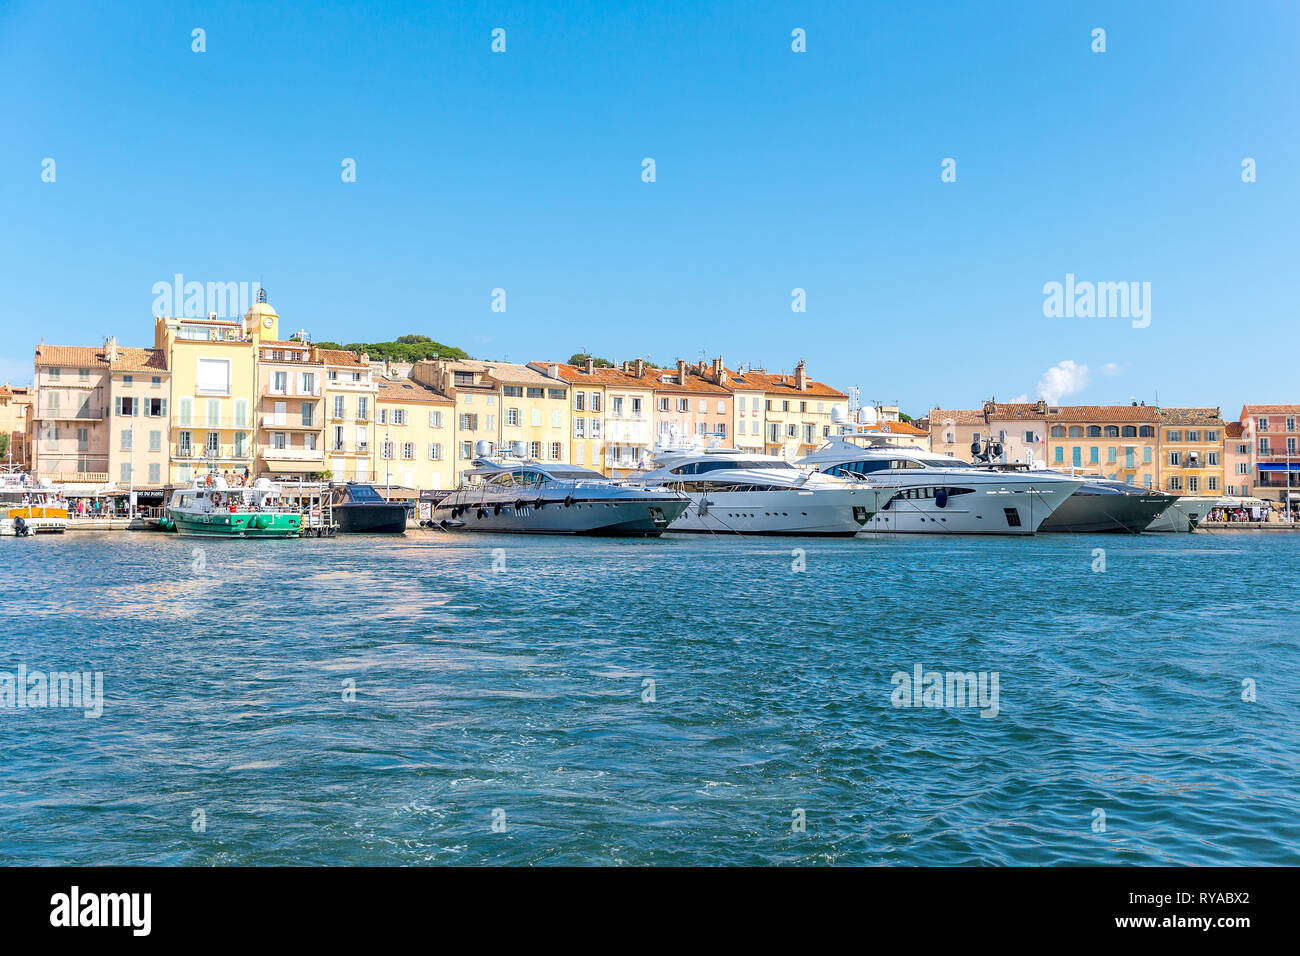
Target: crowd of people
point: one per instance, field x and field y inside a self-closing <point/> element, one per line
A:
<point x="1253" y="514"/>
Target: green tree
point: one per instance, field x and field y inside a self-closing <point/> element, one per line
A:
<point x="580" y="358"/>
<point x="4" y="444"/>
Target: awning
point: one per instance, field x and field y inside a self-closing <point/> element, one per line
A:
<point x="1278" y="466"/>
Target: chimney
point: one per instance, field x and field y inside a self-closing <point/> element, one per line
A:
<point x="801" y="377"/>
<point x="110" y="349"/>
<point x="640" y="368"/>
<point x="719" y="371"/>
<point x="553" y="370"/>
<point x="624" y="366"/>
<point x="681" y="371"/>
<point x="591" y="365"/>
<point x="365" y="358"/>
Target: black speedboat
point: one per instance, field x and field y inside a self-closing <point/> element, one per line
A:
<point x="359" y="509"/>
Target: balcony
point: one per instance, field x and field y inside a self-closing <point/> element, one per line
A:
<point x="292" y="454"/>
<point x="85" y="413"/>
<point x="284" y="422"/>
<point x="217" y="453"/>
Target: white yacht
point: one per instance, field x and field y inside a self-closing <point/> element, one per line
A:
<point x="519" y="495"/>
<point x="931" y="493"/>
<point x="750" y="493"/>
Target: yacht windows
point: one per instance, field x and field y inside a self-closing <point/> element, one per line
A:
<point x="703" y="467"/>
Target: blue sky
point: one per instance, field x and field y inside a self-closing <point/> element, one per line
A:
<point x="774" y="170"/>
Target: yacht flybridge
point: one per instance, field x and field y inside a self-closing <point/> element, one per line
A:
<point x="750" y="493"/>
<point x="930" y="493"/>
<point x="515" y="494"/>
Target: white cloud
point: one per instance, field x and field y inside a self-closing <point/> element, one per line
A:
<point x="1061" y="380"/>
<point x="1110" y="368"/>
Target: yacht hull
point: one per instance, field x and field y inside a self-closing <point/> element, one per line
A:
<point x="1083" y="513"/>
<point x="787" y="512"/>
<point x="1183" y="515"/>
<point x="1014" y="508"/>
<point x="370" y="519"/>
<point x="632" y="517"/>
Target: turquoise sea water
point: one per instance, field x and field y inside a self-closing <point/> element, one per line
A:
<point x="509" y="686"/>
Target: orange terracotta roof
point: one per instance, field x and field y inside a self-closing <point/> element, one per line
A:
<point x="1234" y="430"/>
<point x="128" y="359"/>
<point x="409" y="390"/>
<point x="1103" y="413"/>
<point x="780" y="384"/>
<point x="956" y="416"/>
<point x="1269" y="410"/>
<point x="340" y="357"/>
<point x="1018" y="411"/>
<point x="577" y="375"/>
<point x="899" y="428"/>
<point x="1190" y="416"/>
<point x="693" y="383"/>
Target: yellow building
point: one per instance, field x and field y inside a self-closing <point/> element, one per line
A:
<point x="1116" y="441"/>
<point x="290" y="419"/>
<point x="15" y="421"/>
<point x="797" y="411"/>
<point x="139" y="438"/>
<point x="413" y="435"/>
<point x="214" y="388"/>
<point x="535" y="418"/>
<point x="350" y="391"/>
<point x="475" y="395"/>
<point x="1191" y="450"/>
<point x="609" y="415"/>
<point x="953" y="430"/>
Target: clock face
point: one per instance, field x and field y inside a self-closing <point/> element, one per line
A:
<point x="266" y="322"/>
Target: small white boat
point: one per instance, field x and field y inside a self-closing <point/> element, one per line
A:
<point x="27" y="509"/>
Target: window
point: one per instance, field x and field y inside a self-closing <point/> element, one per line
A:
<point x="722" y="406"/>
<point x="128" y="379"/>
<point x="183" y="447"/>
<point x="1146" y="455"/>
<point x="512" y="391"/>
<point x="1290" y="446"/>
<point x="1193" y="483"/>
<point x="53" y="375"/>
<point x="617" y="402"/>
<point x="155" y="407"/>
<point x="408" y="450"/>
<point x="595" y="398"/>
<point x="595" y="428"/>
<point x="1058" y="431"/>
<point x="386" y="450"/>
<point x="241" y="413"/>
<point x="466" y="450"/>
<point x="363" y="408"/>
<point x="1111" y="431"/>
<point x="1174" y="436"/>
<point x="512" y="417"/>
<point x="128" y="406"/>
<point x="1261" y="424"/>
<point x="83" y="374"/>
<point x="435" y="419"/>
<point x="383" y="416"/>
<point x="1175" y="458"/>
<point x="683" y="404"/>
<point x="308" y="381"/>
<point x="309" y="442"/>
<point x="155" y="473"/>
<point x="1212" y="483"/>
<point x="1263" y="446"/>
<point x="1076" y="431"/>
<point x="1076" y="456"/>
<point x="212" y="377"/>
<point x="1094" y="431"/>
<point x="1129" y="461"/>
<point x="537" y="417"/>
<point x="1211" y="435"/>
<point x="399" y="416"/>
<point x="1175" y="483"/>
<point x="536" y="392"/>
<point x="1290" y="424"/>
<point x="155" y="440"/>
<point x="468" y="422"/>
<point x="279" y="382"/>
<point x="663" y="404"/>
<point x="337" y="443"/>
<point x="579" y="428"/>
<point x="277" y="441"/>
<point x="1212" y="458"/>
<point x="126" y="439"/>
<point x="307" y="412"/>
<point x="557" y="451"/>
<point x="126" y="472"/>
<point x="213" y="413"/>
<point x="212" y="447"/>
<point x="1060" y="454"/>
<point x="435" y="451"/>
<point x="636" y="406"/>
<point x="338" y="406"/>
<point x="1146" y="481"/>
<point x="557" y="418"/>
<point x="1194" y="435"/>
<point x="1111" y="455"/>
<point x="535" y="449"/>
<point x="1094" y="455"/>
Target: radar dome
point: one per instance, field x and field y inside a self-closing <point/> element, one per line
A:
<point x="482" y="448"/>
<point x="838" y="415"/>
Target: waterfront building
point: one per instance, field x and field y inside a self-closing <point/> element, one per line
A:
<point x="16" y="423"/>
<point x="70" y="414"/>
<point x="953" y="430"/>
<point x="290" y="419"/>
<point x="213" y="363"/>
<point x="1191" y="450"/>
<point x="610" y="413"/>
<point x="688" y="407"/>
<point x="796" y="412"/>
<point x="535" y="414"/>
<point x="896" y="432"/>
<point x="1270" y="431"/>
<point x="1117" y="441"/>
<point x="139" y="430"/>
<point x="1237" y="468"/>
<point x="1021" y="429"/>
<point x="414" y="435"/>
<point x="350" y="391"/>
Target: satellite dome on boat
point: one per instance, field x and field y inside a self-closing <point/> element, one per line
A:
<point x="520" y="449"/>
<point x="482" y="448"/>
<point x="838" y="415"/>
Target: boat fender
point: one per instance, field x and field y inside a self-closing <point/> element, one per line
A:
<point x="263" y="522"/>
<point x="482" y="513"/>
<point x="941" y="498"/>
<point x="520" y="504"/>
<point x="568" y="501"/>
<point x="496" y="509"/>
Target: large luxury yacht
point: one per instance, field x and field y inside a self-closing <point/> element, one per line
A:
<point x="1183" y="515"/>
<point x="1101" y="505"/>
<point x="514" y="494"/>
<point x="930" y="493"/>
<point x="751" y="493"/>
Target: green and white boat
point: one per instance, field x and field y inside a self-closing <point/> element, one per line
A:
<point x="215" y="510"/>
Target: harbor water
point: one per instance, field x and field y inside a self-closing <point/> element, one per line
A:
<point x="443" y="699"/>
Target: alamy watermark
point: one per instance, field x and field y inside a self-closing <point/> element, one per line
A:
<point x="1098" y="300"/>
<point x="180" y="299"/>
<point x="946" y="689"/>
<point x="78" y="690"/>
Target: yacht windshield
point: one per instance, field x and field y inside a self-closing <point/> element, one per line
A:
<point x="717" y="464"/>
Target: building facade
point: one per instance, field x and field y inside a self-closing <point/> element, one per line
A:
<point x="1021" y="429"/>
<point x="1270" y="431"/>
<point x="1118" y="441"/>
<point x="1237" y="468"/>
<point x="610" y="414"/>
<point x="16" y="425"/>
<point x="954" y="430"/>
<point x="290" y="415"/>
<point x="688" y="408"/>
<point x="1191" y="452"/>
<point x="351" y="393"/>
<point x="139" y="440"/>
<point x="414" y="435"/>
<point x="70" y="440"/>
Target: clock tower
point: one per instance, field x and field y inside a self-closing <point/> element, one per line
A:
<point x="261" y="321"/>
